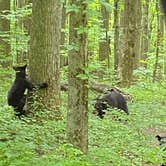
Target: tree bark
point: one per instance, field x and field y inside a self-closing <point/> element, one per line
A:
<point x="129" y="52"/>
<point x="116" y="34"/>
<point x="21" y="55"/>
<point x="44" y="59"/>
<point x="145" y="35"/>
<point x="138" y="33"/>
<point x="28" y="21"/>
<point x="104" y="41"/>
<point x="157" y="71"/>
<point x="4" y="29"/>
<point x="63" y="58"/>
<point x="77" y="118"/>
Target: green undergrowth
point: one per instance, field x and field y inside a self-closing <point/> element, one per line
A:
<point x="116" y="140"/>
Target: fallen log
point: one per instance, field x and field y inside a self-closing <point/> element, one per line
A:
<point x="100" y="88"/>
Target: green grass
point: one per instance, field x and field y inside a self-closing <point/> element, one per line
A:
<point x="129" y="142"/>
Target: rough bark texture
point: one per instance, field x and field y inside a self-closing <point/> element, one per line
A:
<point x="145" y="35"/>
<point x="21" y="55"/>
<point x="129" y="52"/>
<point x="157" y="72"/>
<point x="77" y="118"/>
<point x="44" y="60"/>
<point x="28" y="21"/>
<point x="116" y="34"/>
<point x="63" y="58"/>
<point x="104" y="43"/>
<point x="162" y="56"/>
<point x="138" y="33"/>
<point x="63" y="23"/>
<point x="4" y="27"/>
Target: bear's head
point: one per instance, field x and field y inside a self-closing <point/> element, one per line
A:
<point x="20" y="70"/>
<point x="100" y="105"/>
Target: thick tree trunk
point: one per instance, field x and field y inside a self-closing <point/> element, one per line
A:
<point x="44" y="59"/>
<point x="4" y="29"/>
<point x="104" y="41"/>
<point x="77" y="118"/>
<point x="129" y="52"/>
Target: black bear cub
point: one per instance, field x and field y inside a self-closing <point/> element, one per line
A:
<point x="16" y="97"/>
<point x="112" y="99"/>
<point x="162" y="143"/>
<point x="161" y="139"/>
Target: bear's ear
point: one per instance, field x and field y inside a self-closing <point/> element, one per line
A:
<point x="19" y="68"/>
<point x="15" y="68"/>
<point x="24" y="66"/>
<point x="111" y="90"/>
<point x="158" y="137"/>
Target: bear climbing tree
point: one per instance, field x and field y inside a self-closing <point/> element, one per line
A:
<point x="16" y="95"/>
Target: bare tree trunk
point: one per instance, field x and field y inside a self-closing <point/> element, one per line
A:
<point x="44" y="59"/>
<point x="162" y="55"/>
<point x="77" y="118"/>
<point x="4" y="29"/>
<point x="19" y="28"/>
<point x="63" y="23"/>
<point x="27" y="22"/>
<point x="116" y="34"/>
<point x="104" y="41"/>
<point x="157" y="72"/>
<point x="145" y="35"/>
<point x="121" y="37"/>
<point x="129" y="54"/>
<point x="63" y="58"/>
<point x="138" y="33"/>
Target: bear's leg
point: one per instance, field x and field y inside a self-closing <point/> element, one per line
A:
<point x="19" y="110"/>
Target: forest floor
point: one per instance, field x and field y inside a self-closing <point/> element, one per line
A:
<point x="42" y="141"/>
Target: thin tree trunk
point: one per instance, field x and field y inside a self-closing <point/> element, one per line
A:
<point x="162" y="55"/>
<point x="63" y="58"/>
<point x="19" y="26"/>
<point x="77" y="118"/>
<point x="27" y="22"/>
<point x="44" y="59"/>
<point x="145" y="35"/>
<point x="121" y="37"/>
<point x="4" y="29"/>
<point x="157" y="72"/>
<point x="138" y="33"/>
<point x="151" y="23"/>
<point x="104" y="41"/>
<point x="116" y="34"/>
<point x="63" y="23"/>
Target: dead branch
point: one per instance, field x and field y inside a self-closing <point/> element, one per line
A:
<point x="100" y="88"/>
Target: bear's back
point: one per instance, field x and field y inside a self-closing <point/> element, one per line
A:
<point x="17" y="91"/>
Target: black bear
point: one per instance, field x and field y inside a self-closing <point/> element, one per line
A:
<point x="112" y="99"/>
<point x="162" y="143"/>
<point x="161" y="139"/>
<point x="16" y="97"/>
